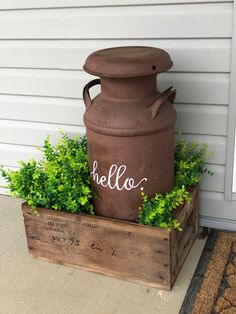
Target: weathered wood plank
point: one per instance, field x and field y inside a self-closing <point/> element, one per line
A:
<point x="106" y="245"/>
<point x="122" y="249"/>
<point x="182" y="242"/>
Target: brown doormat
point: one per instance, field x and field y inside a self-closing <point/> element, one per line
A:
<point x="213" y="286"/>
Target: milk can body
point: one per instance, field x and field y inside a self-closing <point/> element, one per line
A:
<point x="130" y="129"/>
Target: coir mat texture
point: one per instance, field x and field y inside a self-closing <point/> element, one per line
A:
<point x="213" y="286"/>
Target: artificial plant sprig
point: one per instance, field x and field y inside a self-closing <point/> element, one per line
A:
<point x="190" y="162"/>
<point x="157" y="211"/>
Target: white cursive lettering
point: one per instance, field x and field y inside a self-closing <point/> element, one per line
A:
<point x="116" y="173"/>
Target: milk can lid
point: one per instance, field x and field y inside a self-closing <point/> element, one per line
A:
<point x="130" y="61"/>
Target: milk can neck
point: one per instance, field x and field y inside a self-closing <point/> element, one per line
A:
<point x="129" y="88"/>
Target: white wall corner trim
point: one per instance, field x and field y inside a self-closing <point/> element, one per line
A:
<point x="231" y="117"/>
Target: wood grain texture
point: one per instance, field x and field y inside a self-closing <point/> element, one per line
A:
<point x="182" y="242"/>
<point x="117" y="248"/>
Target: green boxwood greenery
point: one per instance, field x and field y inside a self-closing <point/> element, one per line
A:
<point x="61" y="180"/>
<point x="157" y="211"/>
<point x="190" y="164"/>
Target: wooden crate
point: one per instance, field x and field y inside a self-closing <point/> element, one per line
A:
<point x="130" y="251"/>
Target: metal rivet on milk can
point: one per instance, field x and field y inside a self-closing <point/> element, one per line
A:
<point x="130" y="129"/>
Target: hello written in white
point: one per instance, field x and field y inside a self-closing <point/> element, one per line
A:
<point x="116" y="173"/>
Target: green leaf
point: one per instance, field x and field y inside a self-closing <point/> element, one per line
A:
<point x="83" y="200"/>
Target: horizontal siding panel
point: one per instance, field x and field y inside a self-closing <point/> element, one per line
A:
<point x="216" y="182"/>
<point x="196" y="119"/>
<point x="70" y="111"/>
<point x="216" y="146"/>
<point x="203" y="20"/>
<point x="28" y="133"/>
<point x="207" y="88"/>
<point x="42" y="109"/>
<point x="208" y="55"/>
<point x="29" y="4"/>
<point x="10" y="155"/>
<point x="202" y="119"/>
<point x="212" y="204"/>
<point x="52" y="83"/>
<point x="212" y="222"/>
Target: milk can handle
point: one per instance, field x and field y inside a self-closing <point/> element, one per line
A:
<point x="86" y="95"/>
<point x="153" y="107"/>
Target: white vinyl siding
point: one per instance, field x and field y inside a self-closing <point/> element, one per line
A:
<point x="43" y="46"/>
<point x="178" y="20"/>
<point x="190" y="55"/>
<point x="40" y="4"/>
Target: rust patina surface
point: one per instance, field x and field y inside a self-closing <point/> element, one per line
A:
<point x="130" y="129"/>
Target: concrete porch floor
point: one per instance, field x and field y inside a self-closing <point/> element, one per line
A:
<point x="29" y="286"/>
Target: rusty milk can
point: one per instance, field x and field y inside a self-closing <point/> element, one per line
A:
<point x="130" y="129"/>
